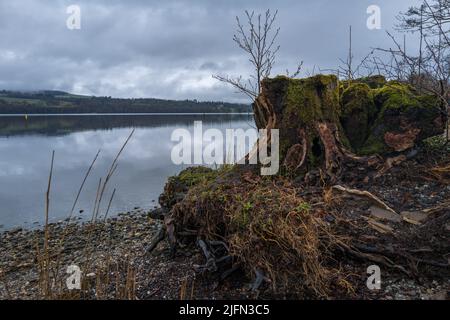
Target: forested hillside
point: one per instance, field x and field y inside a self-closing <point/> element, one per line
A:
<point x="61" y="102"/>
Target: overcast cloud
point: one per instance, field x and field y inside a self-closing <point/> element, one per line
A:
<point x="170" y="49"/>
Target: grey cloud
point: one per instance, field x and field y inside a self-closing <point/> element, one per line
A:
<point x="169" y="49"/>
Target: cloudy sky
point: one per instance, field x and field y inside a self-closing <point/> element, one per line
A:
<point x="170" y="49"/>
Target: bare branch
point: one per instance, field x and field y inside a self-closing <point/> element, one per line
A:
<point x="257" y="38"/>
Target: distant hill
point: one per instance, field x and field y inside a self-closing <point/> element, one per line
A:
<point x="60" y="102"/>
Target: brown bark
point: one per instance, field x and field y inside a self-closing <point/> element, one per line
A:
<point x="315" y="134"/>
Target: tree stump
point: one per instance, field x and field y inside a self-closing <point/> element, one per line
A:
<point x="324" y="123"/>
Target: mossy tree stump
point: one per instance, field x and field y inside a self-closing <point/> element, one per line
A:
<point x="324" y="123"/>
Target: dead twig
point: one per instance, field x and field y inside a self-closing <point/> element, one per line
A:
<point x="365" y="194"/>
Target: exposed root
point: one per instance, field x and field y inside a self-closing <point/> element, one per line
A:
<point x="440" y="207"/>
<point x="258" y="226"/>
<point x="216" y="255"/>
<point x="260" y="278"/>
<point x="296" y="155"/>
<point x="441" y="170"/>
<point x="159" y="236"/>
<point x="389" y="163"/>
<point x="170" y="229"/>
<point x="365" y="194"/>
<point x="379" y="259"/>
<point x="389" y="251"/>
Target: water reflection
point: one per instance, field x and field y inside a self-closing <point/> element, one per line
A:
<point x="26" y="146"/>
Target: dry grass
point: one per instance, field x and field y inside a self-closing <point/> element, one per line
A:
<point x="268" y="229"/>
<point x="281" y="237"/>
<point x="118" y="277"/>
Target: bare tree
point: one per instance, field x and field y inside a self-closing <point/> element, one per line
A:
<point x="430" y="18"/>
<point x="258" y="39"/>
<point x="297" y="71"/>
<point x="432" y="21"/>
<point x="348" y="69"/>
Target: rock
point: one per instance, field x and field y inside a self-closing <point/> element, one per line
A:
<point x="440" y="295"/>
<point x="384" y="214"/>
<point x="415" y="217"/>
<point x="157" y="214"/>
<point x="16" y="230"/>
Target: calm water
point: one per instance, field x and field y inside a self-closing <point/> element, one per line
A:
<point x="25" y="153"/>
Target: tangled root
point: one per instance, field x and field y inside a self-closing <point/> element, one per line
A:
<point x="270" y="231"/>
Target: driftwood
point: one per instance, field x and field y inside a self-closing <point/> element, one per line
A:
<point x="365" y="194"/>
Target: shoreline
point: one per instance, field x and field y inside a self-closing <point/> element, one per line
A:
<point x="124" y="114"/>
<point x="78" y="220"/>
<point x="86" y="244"/>
<point x="114" y="261"/>
<point x="115" y="264"/>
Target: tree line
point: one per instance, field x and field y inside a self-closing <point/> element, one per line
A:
<point x="62" y="103"/>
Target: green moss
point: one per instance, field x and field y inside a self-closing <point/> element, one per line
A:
<point x="373" y="82"/>
<point x="195" y="175"/>
<point x="358" y="98"/>
<point x="396" y="101"/>
<point x="178" y="186"/>
<point x="396" y="95"/>
<point x="428" y="101"/>
<point x="363" y="111"/>
<point x="352" y="95"/>
<point x="437" y="144"/>
<point x="307" y="101"/>
<point x="301" y="105"/>
<point x="372" y="146"/>
<point x="303" y="208"/>
<point x="358" y="109"/>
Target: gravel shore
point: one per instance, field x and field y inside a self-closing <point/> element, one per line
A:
<point x="101" y="247"/>
<point x="115" y="264"/>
